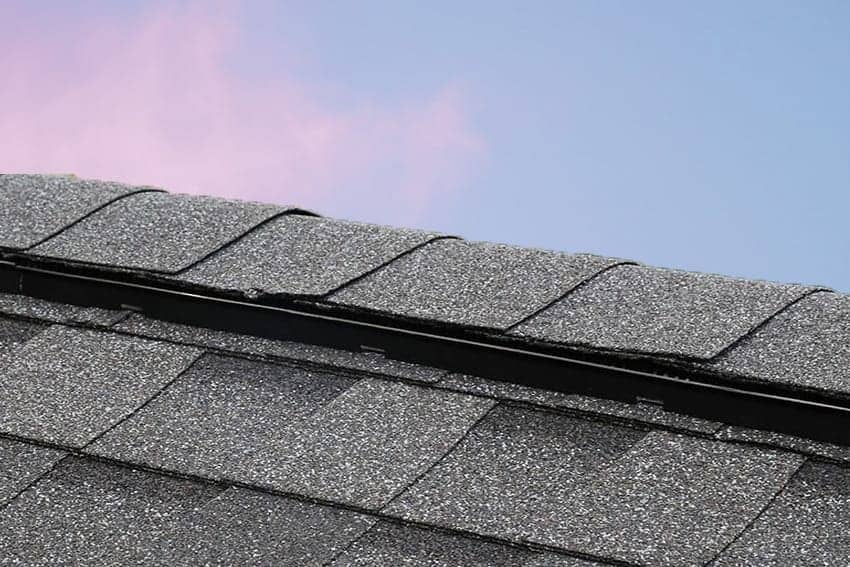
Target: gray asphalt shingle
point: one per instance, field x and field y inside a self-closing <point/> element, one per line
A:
<point x="20" y="464"/>
<point x="805" y="525"/>
<point x="670" y="501"/>
<point x="34" y="207"/>
<point x="300" y="255"/>
<point x="646" y="413"/>
<point x="14" y="332"/>
<point x="656" y="311"/>
<point x="471" y="283"/>
<point x="242" y="527"/>
<point x="392" y="545"/>
<point x="88" y="513"/>
<point x="370" y="443"/>
<point x="158" y="232"/>
<point x="69" y="385"/>
<point x="369" y="362"/>
<point x="789" y="442"/>
<point x="806" y="346"/>
<point x="32" y="307"/>
<point x="215" y="416"/>
<point x="496" y="480"/>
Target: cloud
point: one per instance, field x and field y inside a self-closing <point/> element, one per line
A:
<point x="152" y="99"/>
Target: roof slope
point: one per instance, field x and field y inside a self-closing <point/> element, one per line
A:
<point x="129" y="440"/>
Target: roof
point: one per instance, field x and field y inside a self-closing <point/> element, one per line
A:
<point x="128" y="438"/>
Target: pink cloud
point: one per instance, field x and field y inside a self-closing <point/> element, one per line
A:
<point x="153" y="101"/>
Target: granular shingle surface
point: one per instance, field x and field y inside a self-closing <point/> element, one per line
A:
<point x="495" y="481"/>
<point x="242" y="527"/>
<point x="471" y="283"/>
<point x="671" y="500"/>
<point x="20" y="464"/>
<point x="88" y="513"/>
<point x="806" y="525"/>
<point x="14" y="332"/>
<point x="371" y="442"/>
<point x="646" y="413"/>
<point x="323" y="356"/>
<point x="69" y="385"/>
<point x="806" y="346"/>
<point x="301" y="255"/>
<point x="157" y="232"/>
<point x="217" y="414"/>
<point x="790" y="442"/>
<point x="392" y="545"/>
<point x="656" y="311"/>
<point x="34" y="207"/>
<point x="32" y="307"/>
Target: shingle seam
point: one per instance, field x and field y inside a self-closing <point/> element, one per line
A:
<point x="446" y="453"/>
<point x="588" y="415"/>
<point x="143" y="405"/>
<point x="755" y="518"/>
<point x="343" y="550"/>
<point x="387" y="263"/>
<point x="81" y="453"/>
<point x="813" y="455"/>
<point x="33" y="482"/>
<point x="576" y="287"/>
<point x="270" y="358"/>
<point x="743" y="338"/>
<point x="92" y="212"/>
<point x="232" y="241"/>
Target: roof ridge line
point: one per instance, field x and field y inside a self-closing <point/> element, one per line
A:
<point x="573" y="289"/>
<point x="753" y="330"/>
<point x="138" y="191"/>
<point x="404" y="254"/>
<point x="285" y="211"/>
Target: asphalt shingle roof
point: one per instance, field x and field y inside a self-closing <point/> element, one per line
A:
<point x="807" y="345"/>
<point x="126" y="440"/>
<point x="302" y="255"/>
<point x="805" y="525"/>
<point x="35" y="207"/>
<point x="655" y="311"/>
<point x="69" y="385"/>
<point x="157" y="232"/>
<point x="476" y="284"/>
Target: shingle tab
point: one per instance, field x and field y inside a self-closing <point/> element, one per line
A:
<point x="242" y="527"/>
<point x="32" y="307"/>
<point x="646" y="413"/>
<point x="806" y="346"/>
<point x="392" y="545"/>
<point x="157" y="232"/>
<point x="14" y="332"/>
<point x="87" y="513"/>
<point x="370" y="362"/>
<point x="655" y="311"/>
<point x="34" y="207"/>
<point x="20" y="464"/>
<point x="671" y="500"/>
<point x="369" y="443"/>
<point x="217" y="414"/>
<point x="68" y="385"/>
<point x="805" y="525"/>
<point x="300" y="255"/>
<point x="496" y="481"/>
<point x="471" y="283"/>
<point x="783" y="441"/>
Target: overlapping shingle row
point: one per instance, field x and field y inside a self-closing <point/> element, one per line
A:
<point x="717" y="324"/>
<point x="124" y="449"/>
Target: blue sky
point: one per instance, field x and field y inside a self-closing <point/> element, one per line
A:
<point x="709" y="136"/>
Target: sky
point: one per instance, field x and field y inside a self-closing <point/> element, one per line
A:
<point x="709" y="136"/>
